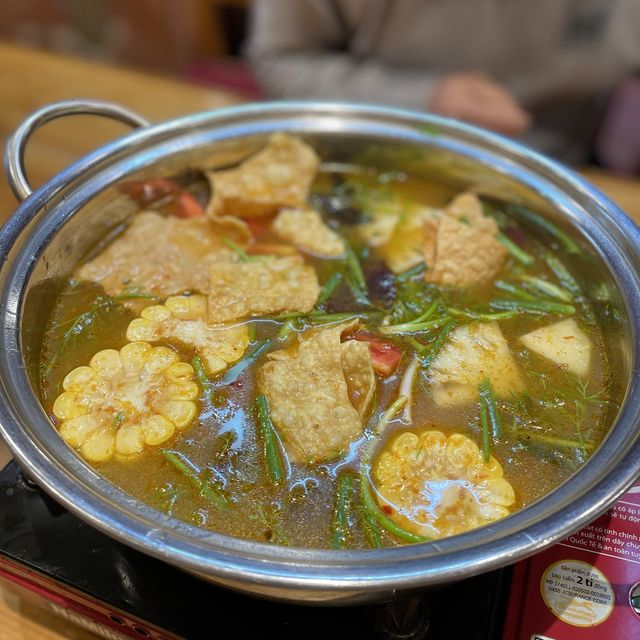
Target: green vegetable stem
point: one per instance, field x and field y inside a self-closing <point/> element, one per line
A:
<point x="518" y="253"/>
<point x="565" y="240"/>
<point x="437" y="344"/>
<point x="488" y="398"/>
<point x="328" y="288"/>
<point x="547" y="288"/>
<point x="533" y="306"/>
<point x="202" y="378"/>
<point x="192" y="473"/>
<point x="271" y="446"/>
<point x="340" y="524"/>
<point x="239" y="367"/>
<point x="374" y="511"/>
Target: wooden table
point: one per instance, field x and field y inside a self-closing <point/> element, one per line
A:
<point x="29" y="79"/>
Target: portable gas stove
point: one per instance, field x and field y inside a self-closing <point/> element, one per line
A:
<point x="55" y="560"/>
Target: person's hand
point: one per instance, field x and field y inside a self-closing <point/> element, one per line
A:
<point x="476" y="98"/>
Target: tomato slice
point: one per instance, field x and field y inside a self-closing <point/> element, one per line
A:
<point x="258" y="225"/>
<point x="187" y="206"/>
<point x="384" y="355"/>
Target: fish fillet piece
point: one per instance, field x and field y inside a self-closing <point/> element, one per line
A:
<point x="563" y="343"/>
<point x="473" y="352"/>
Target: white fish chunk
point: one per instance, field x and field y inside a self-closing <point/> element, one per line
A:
<point x="563" y="343"/>
<point x="472" y="353"/>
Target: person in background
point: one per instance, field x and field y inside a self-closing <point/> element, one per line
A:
<point x="540" y="71"/>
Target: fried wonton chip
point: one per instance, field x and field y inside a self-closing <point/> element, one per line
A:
<point x="160" y="255"/>
<point x="309" y="396"/>
<point x="467" y="208"/>
<point x="277" y="176"/>
<point x="358" y="372"/>
<point x="461" y="247"/>
<point x="260" y="287"/>
<point x="183" y="319"/>
<point x="232" y="228"/>
<point x="564" y="343"/>
<point x="473" y="352"/>
<point x="306" y="229"/>
<point x="438" y="485"/>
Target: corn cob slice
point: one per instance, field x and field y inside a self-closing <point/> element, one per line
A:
<point x="125" y="401"/>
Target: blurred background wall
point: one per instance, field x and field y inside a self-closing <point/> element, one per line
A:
<point x="195" y="39"/>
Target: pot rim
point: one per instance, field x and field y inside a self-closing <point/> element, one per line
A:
<point x="80" y="489"/>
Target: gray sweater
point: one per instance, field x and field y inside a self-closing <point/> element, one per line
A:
<point x="557" y="57"/>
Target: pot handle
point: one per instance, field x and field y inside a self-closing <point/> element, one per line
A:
<point x="14" y="154"/>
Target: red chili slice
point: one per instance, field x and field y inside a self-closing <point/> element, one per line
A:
<point x="385" y="355"/>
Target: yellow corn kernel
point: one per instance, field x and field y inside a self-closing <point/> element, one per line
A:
<point x="75" y="431"/>
<point x="180" y="371"/>
<point x="78" y="379"/>
<point x="183" y="390"/>
<point x="156" y="313"/>
<point x="133" y="356"/>
<point x="212" y="363"/>
<point x="187" y="307"/>
<point x="106" y="362"/>
<point x="141" y="329"/>
<point x="157" y="429"/>
<point x="461" y="451"/>
<point x="67" y="406"/>
<point x="433" y="440"/>
<point x="159" y="359"/>
<point x="405" y="444"/>
<point x="99" y="446"/>
<point x="180" y="412"/>
<point x="228" y="343"/>
<point x="129" y="440"/>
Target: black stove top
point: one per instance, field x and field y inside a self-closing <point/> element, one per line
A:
<point x="40" y="536"/>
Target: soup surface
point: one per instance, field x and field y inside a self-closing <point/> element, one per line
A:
<point x="328" y="356"/>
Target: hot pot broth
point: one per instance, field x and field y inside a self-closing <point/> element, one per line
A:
<point x="535" y="417"/>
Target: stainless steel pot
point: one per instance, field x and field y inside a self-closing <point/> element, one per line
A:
<point x="55" y="226"/>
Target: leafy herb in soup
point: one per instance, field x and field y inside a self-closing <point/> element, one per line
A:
<point x="328" y="358"/>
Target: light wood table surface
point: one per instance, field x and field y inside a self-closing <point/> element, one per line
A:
<point x="30" y="79"/>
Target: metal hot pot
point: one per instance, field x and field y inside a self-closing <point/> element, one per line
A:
<point x="54" y="226"/>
